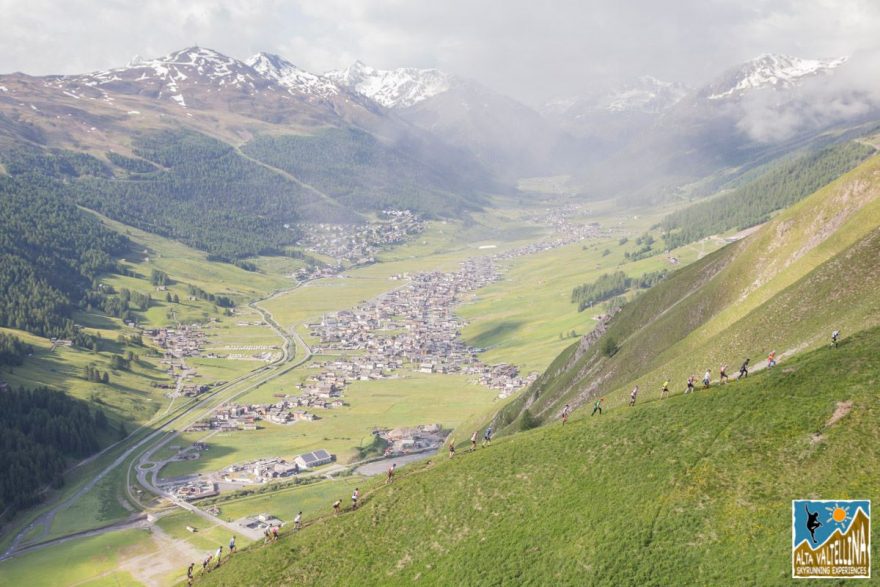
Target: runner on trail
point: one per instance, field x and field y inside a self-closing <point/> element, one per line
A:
<point x="771" y="360"/>
<point x="267" y="536"/>
<point x="274" y="533"/>
<point x="474" y="441"/>
<point x="206" y="562"/>
<point x="632" y="395"/>
<point x="390" y="478"/>
<point x="336" y="505"/>
<point x="219" y="555"/>
<point x="298" y="522"/>
<point x="565" y="412"/>
<point x="487" y="437"/>
<point x="722" y="374"/>
<point x="744" y="369"/>
<point x="597" y="407"/>
<point x="707" y="379"/>
<point x="690" y="384"/>
<point x="664" y="390"/>
<point x="231" y="545"/>
<point x="834" y="336"/>
<point x="451" y="447"/>
<point x="355" y="495"/>
<point x="189" y="571"/>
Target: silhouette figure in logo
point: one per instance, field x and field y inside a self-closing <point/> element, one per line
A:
<point x="813" y="522"/>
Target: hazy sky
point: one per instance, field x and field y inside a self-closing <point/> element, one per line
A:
<point x="529" y="49"/>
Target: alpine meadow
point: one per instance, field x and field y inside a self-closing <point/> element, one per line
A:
<point x="494" y="293"/>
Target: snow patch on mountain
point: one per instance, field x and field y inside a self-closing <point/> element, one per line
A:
<point x="645" y="94"/>
<point x="196" y="65"/>
<point x="292" y="77"/>
<point x="392" y="88"/>
<point x="778" y="71"/>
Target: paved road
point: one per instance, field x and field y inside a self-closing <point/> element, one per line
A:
<point x="379" y="467"/>
<point x="250" y="381"/>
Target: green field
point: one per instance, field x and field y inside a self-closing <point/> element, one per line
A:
<point x="521" y="318"/>
<point x="312" y="500"/>
<point x="86" y="561"/>
<point x="675" y="492"/>
<point x="128" y="397"/>
<point x="415" y="398"/>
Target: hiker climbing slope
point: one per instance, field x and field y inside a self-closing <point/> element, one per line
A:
<point x="744" y="369"/>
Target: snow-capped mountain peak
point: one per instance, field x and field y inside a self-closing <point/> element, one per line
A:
<point x="770" y="70"/>
<point x="392" y="88"/>
<point x="167" y="76"/>
<point x="290" y="76"/>
<point x="645" y="94"/>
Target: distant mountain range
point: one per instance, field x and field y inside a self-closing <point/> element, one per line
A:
<point x="655" y="136"/>
<point x="671" y="133"/>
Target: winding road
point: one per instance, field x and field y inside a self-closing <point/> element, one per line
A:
<point x="164" y="433"/>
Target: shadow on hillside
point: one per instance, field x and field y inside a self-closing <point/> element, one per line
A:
<point x="498" y="332"/>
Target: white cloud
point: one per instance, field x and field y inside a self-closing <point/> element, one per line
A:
<point x="529" y="49"/>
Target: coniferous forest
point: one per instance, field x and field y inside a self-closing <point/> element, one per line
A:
<point x="50" y="253"/>
<point x="783" y="185"/>
<point x="39" y="430"/>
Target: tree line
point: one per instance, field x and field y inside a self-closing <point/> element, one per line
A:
<point x="364" y="173"/>
<point x="40" y="429"/>
<point x="51" y="252"/>
<point x="610" y="285"/>
<point x="12" y="350"/>
<point x="781" y="186"/>
<point x="198" y="190"/>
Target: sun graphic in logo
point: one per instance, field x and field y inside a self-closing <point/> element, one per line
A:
<point x="838" y="515"/>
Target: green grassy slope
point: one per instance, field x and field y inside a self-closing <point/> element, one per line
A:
<point x="809" y="271"/>
<point x="692" y="490"/>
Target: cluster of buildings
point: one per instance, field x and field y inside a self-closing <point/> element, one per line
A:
<point x="413" y="326"/>
<point x="194" y="490"/>
<point x="232" y="417"/>
<point x="356" y="244"/>
<point x="178" y="344"/>
<point x="401" y="441"/>
<point x="271" y="468"/>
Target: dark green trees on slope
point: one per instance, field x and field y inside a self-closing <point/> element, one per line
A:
<point x="12" y="350"/>
<point x="784" y="184"/>
<point x="50" y="251"/>
<point x="364" y="173"/>
<point x="39" y="430"/>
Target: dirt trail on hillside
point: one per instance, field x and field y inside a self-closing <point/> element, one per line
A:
<point x="842" y="409"/>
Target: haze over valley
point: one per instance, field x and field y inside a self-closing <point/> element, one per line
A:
<point x="489" y="294"/>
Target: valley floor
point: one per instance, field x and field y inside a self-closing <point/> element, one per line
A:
<point x="414" y="398"/>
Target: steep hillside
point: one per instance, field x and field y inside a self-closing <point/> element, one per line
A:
<point x="666" y="493"/>
<point x="810" y="270"/>
<point x="50" y="252"/>
<point x="362" y="172"/>
<point x="786" y="182"/>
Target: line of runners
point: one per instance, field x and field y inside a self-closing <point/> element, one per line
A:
<point x="271" y="534"/>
